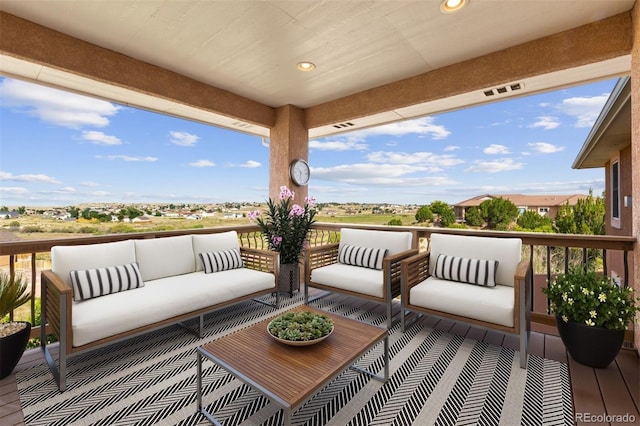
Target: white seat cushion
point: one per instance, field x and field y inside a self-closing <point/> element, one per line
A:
<point x="207" y="243"/>
<point x="490" y="304"/>
<point x="352" y="278"/>
<point x="506" y="251"/>
<point x="395" y="242"/>
<point x="165" y="257"/>
<point x="65" y="259"/>
<point x="158" y="300"/>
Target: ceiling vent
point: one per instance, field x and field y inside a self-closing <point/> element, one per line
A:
<point x="343" y="125"/>
<point x="241" y="124"/>
<point x="502" y="90"/>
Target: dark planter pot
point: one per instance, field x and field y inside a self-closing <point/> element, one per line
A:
<point x="592" y="346"/>
<point x="289" y="278"/>
<point x="11" y="349"/>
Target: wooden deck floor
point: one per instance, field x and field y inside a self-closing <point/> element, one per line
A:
<point x="613" y="391"/>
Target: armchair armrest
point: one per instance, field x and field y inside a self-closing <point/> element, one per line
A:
<point x="415" y="269"/>
<point x="57" y="298"/>
<point x="260" y="260"/>
<point x="392" y="270"/>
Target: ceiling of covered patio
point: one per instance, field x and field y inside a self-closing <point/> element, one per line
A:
<point x="376" y="62"/>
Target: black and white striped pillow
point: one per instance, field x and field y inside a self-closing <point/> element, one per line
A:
<point x="472" y="271"/>
<point x="362" y="256"/>
<point x="90" y="283"/>
<point x="216" y="261"/>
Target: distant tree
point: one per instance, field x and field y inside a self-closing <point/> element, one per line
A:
<point x="395" y="222"/>
<point x="473" y="217"/>
<point x="587" y="217"/>
<point x="498" y="213"/>
<point x="86" y="213"/>
<point x="439" y="207"/>
<point x="531" y="220"/>
<point x="447" y="218"/>
<point x="424" y="214"/>
<point x="73" y="211"/>
<point x="22" y="210"/>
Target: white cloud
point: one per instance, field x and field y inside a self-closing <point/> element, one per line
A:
<point x="90" y="184"/>
<point x="373" y="174"/>
<point x="547" y="122"/>
<point x="494" y="149"/>
<point x="39" y="178"/>
<point x="251" y="164"/>
<point x="584" y="109"/>
<point x="545" y="148"/>
<point x="202" y="163"/>
<point x="494" y="166"/>
<point x="420" y="126"/>
<point x="451" y="148"/>
<point x="126" y="158"/>
<point x="66" y="190"/>
<point x="434" y="162"/>
<point x="338" y="145"/>
<point x="99" y="138"/>
<point x="183" y="138"/>
<point x="14" y="190"/>
<point x="56" y="106"/>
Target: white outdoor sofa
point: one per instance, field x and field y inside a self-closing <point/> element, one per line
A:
<point x="455" y="279"/>
<point x="133" y="286"/>
<point x="365" y="264"/>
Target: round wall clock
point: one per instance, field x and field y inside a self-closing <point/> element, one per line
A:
<point x="299" y="172"/>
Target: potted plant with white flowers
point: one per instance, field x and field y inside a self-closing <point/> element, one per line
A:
<point x="592" y="314"/>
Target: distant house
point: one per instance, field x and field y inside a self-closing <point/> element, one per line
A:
<point x="544" y="205"/>
<point x="4" y="214"/>
<point x="608" y="146"/>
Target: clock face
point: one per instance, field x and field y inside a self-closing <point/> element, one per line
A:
<point x="300" y="172"/>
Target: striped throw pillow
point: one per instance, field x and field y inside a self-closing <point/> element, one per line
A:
<point x="472" y="271"/>
<point x="362" y="256"/>
<point x="90" y="283"/>
<point x="216" y="261"/>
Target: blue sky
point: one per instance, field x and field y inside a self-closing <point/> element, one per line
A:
<point x="59" y="149"/>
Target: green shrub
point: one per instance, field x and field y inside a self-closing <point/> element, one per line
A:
<point x="32" y="229"/>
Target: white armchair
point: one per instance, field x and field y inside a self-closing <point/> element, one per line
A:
<point x="499" y="299"/>
<point x="365" y="264"/>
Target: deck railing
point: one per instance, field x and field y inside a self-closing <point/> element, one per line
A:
<point x="549" y="254"/>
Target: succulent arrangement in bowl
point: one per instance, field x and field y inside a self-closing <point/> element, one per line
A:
<point x="300" y="327"/>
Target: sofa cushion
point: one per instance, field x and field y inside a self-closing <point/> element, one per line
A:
<point x="206" y="243"/>
<point x="65" y="259"/>
<point x="158" y="300"/>
<point x="491" y="304"/>
<point x="506" y="251"/>
<point x="90" y="283"/>
<point x="224" y="260"/>
<point x="462" y="269"/>
<point x="362" y="256"/>
<point x="352" y="278"/>
<point x="165" y="257"/>
<point x="395" y="242"/>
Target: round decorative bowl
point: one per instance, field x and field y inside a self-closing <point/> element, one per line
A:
<point x="308" y="328"/>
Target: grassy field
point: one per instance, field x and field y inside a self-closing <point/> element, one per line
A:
<point x="40" y="227"/>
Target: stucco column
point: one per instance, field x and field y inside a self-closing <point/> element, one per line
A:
<point x="635" y="157"/>
<point x="289" y="140"/>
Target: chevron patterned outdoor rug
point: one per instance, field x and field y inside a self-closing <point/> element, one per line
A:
<point x="436" y="378"/>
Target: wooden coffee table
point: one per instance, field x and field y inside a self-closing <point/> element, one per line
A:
<point x="291" y="375"/>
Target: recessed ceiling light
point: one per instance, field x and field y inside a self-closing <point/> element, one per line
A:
<point x="306" y="66"/>
<point x="450" y="6"/>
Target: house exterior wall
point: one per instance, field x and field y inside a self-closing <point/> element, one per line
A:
<point x="615" y="260"/>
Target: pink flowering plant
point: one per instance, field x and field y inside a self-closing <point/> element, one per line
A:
<point x="286" y="225"/>
<point x="585" y="297"/>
